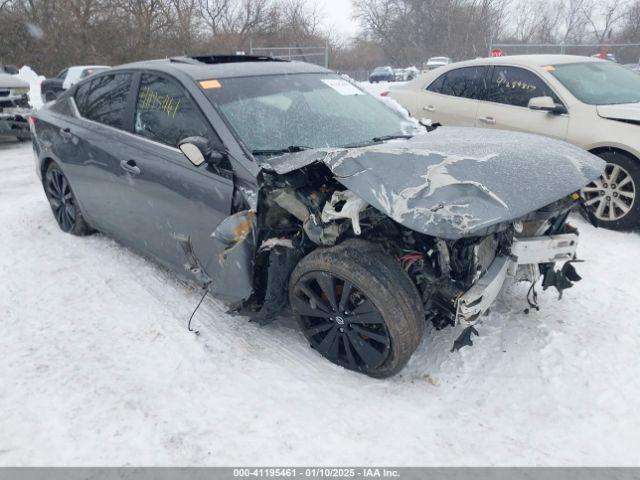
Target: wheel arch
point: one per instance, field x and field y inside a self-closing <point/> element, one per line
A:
<point x="622" y="151"/>
<point x="44" y="165"/>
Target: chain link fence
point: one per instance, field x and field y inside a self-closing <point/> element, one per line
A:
<point x="626" y="53"/>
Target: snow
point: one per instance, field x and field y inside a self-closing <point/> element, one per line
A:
<point x="34" y="80"/>
<point x="98" y="367"/>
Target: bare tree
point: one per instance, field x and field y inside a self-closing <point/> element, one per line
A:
<point x="603" y="17"/>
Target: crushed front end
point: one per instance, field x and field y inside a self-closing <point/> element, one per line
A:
<point x="14" y="113"/>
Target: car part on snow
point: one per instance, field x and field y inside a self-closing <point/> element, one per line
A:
<point x="465" y="338"/>
<point x="561" y="279"/>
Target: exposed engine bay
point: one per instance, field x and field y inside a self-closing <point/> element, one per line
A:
<point x="441" y="231"/>
<point x="308" y="208"/>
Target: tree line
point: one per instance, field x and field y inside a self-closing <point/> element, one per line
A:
<point x="52" y="34"/>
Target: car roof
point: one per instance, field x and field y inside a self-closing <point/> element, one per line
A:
<point x="235" y="67"/>
<point x="81" y="67"/>
<point x="529" y="60"/>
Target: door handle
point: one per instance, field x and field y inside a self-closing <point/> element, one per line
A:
<point x="429" y="108"/>
<point x="130" y="167"/>
<point x="66" y="133"/>
<point x="488" y="120"/>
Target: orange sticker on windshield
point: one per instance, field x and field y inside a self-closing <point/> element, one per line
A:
<point x="549" y="68"/>
<point x="210" y="84"/>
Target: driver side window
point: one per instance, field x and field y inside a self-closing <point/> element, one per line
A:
<point x="165" y="113"/>
<point x="516" y="86"/>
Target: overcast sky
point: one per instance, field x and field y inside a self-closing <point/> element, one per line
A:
<point x="337" y="17"/>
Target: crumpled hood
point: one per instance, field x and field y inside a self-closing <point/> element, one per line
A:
<point x="454" y="182"/>
<point x="627" y="111"/>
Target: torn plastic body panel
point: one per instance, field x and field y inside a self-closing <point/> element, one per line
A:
<point x="235" y="239"/>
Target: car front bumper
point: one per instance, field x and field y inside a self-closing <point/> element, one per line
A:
<point x="531" y="251"/>
<point x="14" y="123"/>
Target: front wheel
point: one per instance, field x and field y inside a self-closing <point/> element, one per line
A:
<point x="358" y="308"/>
<point x="613" y="198"/>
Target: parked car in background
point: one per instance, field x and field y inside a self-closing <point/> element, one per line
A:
<point x="364" y="223"/>
<point x="589" y="102"/>
<point x="406" y="74"/>
<point x="382" y="74"/>
<point x="436" y="62"/>
<point x="52" y="87"/>
<point x="14" y="107"/>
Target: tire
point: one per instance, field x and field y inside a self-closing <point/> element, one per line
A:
<point x="382" y="310"/>
<point x="614" y="199"/>
<point x="63" y="202"/>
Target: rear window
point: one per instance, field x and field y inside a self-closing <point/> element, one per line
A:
<point x="104" y="99"/>
<point x="468" y="82"/>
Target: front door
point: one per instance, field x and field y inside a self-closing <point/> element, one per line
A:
<point x="506" y="105"/>
<point x="171" y="202"/>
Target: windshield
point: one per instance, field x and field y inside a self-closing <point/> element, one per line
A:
<point x="276" y="112"/>
<point x="598" y="83"/>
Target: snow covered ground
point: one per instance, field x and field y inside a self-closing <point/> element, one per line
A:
<point x="97" y="367"/>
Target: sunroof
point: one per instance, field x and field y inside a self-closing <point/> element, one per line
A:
<point x="212" y="59"/>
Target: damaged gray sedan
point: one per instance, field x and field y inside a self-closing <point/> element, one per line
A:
<point x="279" y="186"/>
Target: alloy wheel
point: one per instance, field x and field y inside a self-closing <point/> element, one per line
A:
<point x="340" y="322"/>
<point x="61" y="199"/>
<point x="612" y="196"/>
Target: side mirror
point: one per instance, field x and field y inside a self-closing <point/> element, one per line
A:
<point x="546" y="104"/>
<point x="198" y="151"/>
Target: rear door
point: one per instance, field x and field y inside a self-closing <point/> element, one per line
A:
<point x="104" y="106"/>
<point x="453" y="98"/>
<point x="506" y="105"/>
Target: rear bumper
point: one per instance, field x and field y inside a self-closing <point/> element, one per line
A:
<point x="524" y="251"/>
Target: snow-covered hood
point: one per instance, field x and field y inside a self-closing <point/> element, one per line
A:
<point x="455" y="182"/>
<point x="627" y="111"/>
<point x="11" y="81"/>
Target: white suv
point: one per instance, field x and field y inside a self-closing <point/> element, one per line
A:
<point x="592" y="103"/>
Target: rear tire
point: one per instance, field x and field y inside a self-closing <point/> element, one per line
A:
<point x="380" y="322"/>
<point x="614" y="199"/>
<point x="63" y="202"/>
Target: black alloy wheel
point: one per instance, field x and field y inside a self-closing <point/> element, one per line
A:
<point x="357" y="307"/>
<point x="340" y="322"/>
<point x="63" y="202"/>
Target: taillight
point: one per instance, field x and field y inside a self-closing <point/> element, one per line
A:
<point x="32" y="120"/>
<point x="385" y="94"/>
